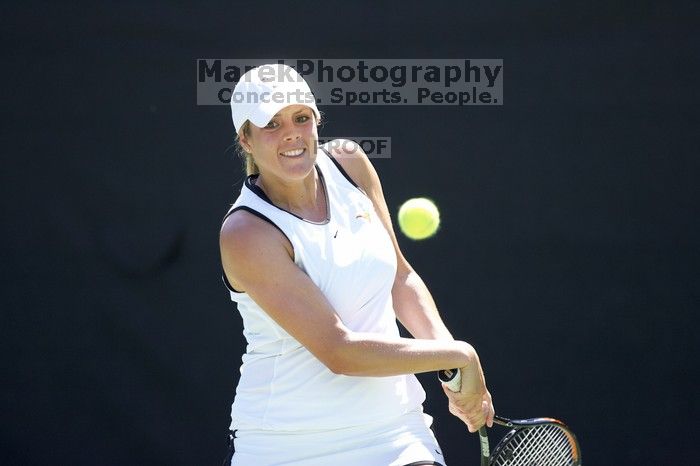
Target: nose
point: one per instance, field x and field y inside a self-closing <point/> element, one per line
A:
<point x="290" y="131"/>
<point x="292" y="135"/>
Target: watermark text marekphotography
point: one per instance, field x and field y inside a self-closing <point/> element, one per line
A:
<point x="376" y="147"/>
<point x="366" y="81"/>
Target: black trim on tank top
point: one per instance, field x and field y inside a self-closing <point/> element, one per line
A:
<point x="257" y="214"/>
<point x="424" y="463"/>
<point x="228" y="284"/>
<point x="340" y="168"/>
<point x="260" y="216"/>
<point x="250" y="184"/>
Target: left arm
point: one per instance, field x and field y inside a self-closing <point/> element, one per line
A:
<point x="415" y="307"/>
<point x="413" y="304"/>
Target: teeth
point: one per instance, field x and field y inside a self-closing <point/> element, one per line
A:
<point x="293" y="153"/>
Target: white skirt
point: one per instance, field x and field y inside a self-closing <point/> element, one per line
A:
<point x="397" y="442"/>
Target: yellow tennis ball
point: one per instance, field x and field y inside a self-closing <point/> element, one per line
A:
<point x="419" y="218"/>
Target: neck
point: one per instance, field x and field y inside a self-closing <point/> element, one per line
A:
<point x="305" y="197"/>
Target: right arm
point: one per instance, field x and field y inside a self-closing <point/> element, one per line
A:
<point x="258" y="258"/>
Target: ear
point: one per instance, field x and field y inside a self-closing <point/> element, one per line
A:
<point x="244" y="141"/>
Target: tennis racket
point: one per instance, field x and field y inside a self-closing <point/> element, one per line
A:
<point x="531" y="442"/>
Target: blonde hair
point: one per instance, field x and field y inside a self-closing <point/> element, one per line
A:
<point x="249" y="164"/>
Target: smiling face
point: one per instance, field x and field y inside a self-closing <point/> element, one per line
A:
<point x="285" y="149"/>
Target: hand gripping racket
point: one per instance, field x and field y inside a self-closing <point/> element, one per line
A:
<point x="531" y="442"/>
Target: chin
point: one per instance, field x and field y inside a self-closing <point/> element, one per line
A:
<point x="301" y="165"/>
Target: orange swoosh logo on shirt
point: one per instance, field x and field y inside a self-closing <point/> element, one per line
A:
<point x="364" y="215"/>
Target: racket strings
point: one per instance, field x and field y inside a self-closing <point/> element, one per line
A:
<point x="546" y="445"/>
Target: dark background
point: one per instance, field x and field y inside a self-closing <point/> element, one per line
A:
<point x="568" y="253"/>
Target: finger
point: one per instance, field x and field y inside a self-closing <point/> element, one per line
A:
<point x="456" y="411"/>
<point x="477" y="418"/>
<point x="492" y="414"/>
<point x="477" y="422"/>
<point x="459" y="414"/>
<point x="470" y="425"/>
<point x="485" y="412"/>
<point x="466" y="404"/>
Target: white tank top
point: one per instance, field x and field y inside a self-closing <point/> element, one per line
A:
<point x="350" y="257"/>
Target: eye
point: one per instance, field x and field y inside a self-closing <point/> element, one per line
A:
<point x="303" y="118"/>
<point x="271" y="125"/>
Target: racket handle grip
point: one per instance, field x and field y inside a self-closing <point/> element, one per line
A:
<point x="485" y="450"/>
<point x="452" y="378"/>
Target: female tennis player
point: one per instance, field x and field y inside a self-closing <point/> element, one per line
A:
<point x="311" y="259"/>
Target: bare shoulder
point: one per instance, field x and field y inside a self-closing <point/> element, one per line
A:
<point x="243" y="230"/>
<point x="242" y="226"/>
<point x="354" y="161"/>
<point x="244" y="239"/>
